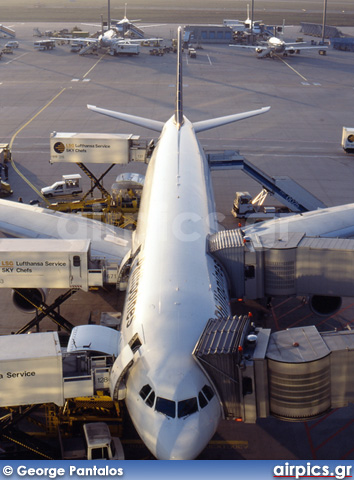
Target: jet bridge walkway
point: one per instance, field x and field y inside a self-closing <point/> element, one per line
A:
<point x="283" y="188"/>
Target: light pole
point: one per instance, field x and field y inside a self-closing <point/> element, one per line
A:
<point x="252" y="13"/>
<point x="324" y="20"/>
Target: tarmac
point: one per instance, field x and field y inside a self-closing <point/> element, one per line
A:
<point x="311" y="99"/>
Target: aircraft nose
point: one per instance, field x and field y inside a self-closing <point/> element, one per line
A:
<point x="185" y="438"/>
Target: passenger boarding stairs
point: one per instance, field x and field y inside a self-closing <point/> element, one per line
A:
<point x="283" y="188"/>
<point x="87" y="49"/>
<point x="134" y="32"/>
<point x="7" y="31"/>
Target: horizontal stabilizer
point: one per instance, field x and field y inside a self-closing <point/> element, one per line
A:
<point x="140" y="121"/>
<point x="218" y="122"/>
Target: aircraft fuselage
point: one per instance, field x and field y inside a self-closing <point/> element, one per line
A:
<point x="175" y="287"/>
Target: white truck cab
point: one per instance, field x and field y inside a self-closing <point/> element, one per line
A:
<point x="69" y="185"/>
<point x="96" y="444"/>
<point x="100" y="444"/>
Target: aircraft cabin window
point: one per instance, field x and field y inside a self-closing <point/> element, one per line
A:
<point x="203" y="402"/>
<point x="167" y="407"/>
<point x="208" y="392"/>
<point x="187" y="407"/>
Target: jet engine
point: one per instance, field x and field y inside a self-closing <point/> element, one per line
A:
<point x="259" y="50"/>
<point x="291" y="51"/>
<point x="325" y="305"/>
<point x="25" y="299"/>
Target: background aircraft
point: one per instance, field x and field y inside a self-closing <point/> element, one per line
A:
<point x="274" y="47"/>
<point x="245" y="25"/>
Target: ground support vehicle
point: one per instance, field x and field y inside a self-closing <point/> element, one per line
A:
<point x="128" y="49"/>
<point x="348" y="139"/>
<point x="96" y="443"/>
<point x="245" y="207"/>
<point x="69" y="185"/>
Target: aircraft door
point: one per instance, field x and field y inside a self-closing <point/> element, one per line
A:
<point x="76" y="267"/>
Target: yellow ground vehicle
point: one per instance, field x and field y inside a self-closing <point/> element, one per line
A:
<point x="5" y="189"/>
<point x="118" y="208"/>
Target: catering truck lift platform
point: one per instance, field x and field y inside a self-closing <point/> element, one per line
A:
<point x="87" y="148"/>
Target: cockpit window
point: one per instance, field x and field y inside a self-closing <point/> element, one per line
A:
<point x="205" y="395"/>
<point x="148" y="395"/>
<point x="203" y="402"/>
<point x="150" y="399"/>
<point x="208" y="392"/>
<point x="167" y="407"/>
<point x="144" y="392"/>
<point x="187" y="407"/>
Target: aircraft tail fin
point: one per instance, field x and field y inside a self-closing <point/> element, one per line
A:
<point x="179" y="85"/>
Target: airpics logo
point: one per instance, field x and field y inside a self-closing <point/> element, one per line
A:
<point x="59" y="147"/>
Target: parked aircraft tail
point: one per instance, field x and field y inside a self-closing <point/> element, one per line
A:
<point x="200" y="126"/>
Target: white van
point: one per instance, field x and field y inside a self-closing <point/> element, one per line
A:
<point x="12" y="44"/>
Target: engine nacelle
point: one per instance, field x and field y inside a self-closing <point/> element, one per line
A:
<point x="291" y="51"/>
<point x="25" y="298"/>
<point x="325" y="305"/>
<point x="259" y="50"/>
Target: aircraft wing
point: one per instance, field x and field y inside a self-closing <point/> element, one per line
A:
<point x="261" y="50"/>
<point x="252" y="47"/>
<point x="312" y="47"/>
<point x="76" y="39"/>
<point x="136" y="40"/>
<point x="26" y="221"/>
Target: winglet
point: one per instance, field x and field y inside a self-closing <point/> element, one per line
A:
<point x="179" y="96"/>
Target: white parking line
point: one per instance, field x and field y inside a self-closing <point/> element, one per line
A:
<point x="16" y="58"/>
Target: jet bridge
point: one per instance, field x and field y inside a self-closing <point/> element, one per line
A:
<point x="287" y="264"/>
<point x="283" y="188"/>
<point x="296" y="374"/>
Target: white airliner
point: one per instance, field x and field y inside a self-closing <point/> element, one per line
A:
<point x="245" y="24"/>
<point x="106" y="39"/>
<point x="175" y="286"/>
<point x="274" y="47"/>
